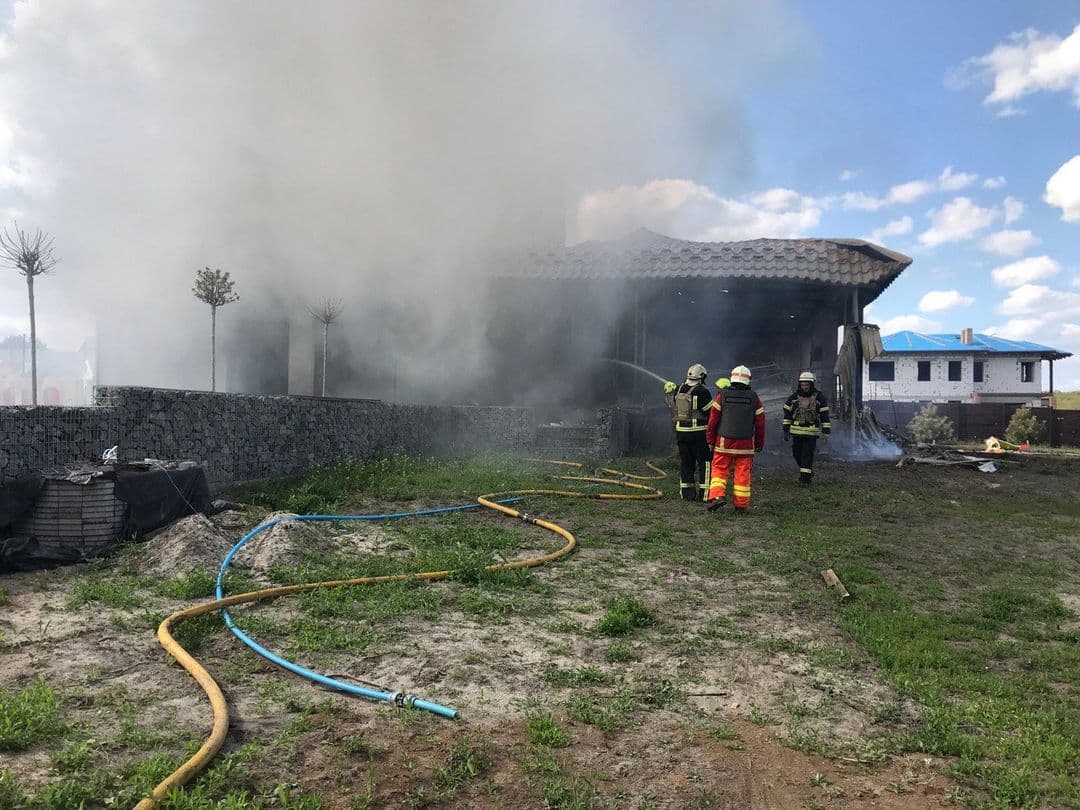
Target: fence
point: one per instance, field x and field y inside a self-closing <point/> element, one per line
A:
<point x="238" y="437"/>
<point x="982" y="420"/>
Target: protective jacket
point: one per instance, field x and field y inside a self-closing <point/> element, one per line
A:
<point x="807" y="414"/>
<point x="736" y="422"/>
<point x="692" y="402"/>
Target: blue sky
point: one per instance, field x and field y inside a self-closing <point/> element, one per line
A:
<point x="946" y="131"/>
<point x="880" y="97"/>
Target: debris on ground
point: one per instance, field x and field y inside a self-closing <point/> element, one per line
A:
<point x="833" y="581"/>
<point x="945" y="455"/>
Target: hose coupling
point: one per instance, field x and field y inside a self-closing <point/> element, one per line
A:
<point x="526" y="517"/>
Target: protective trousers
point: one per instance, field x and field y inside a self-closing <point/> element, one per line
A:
<point x="693" y="465"/>
<point x="721" y="467"/>
<point x="802" y="447"/>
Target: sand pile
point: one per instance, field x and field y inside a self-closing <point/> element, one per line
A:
<point x="282" y="544"/>
<point x="189" y="543"/>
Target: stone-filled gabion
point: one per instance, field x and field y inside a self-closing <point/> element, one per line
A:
<point x="242" y="437"/>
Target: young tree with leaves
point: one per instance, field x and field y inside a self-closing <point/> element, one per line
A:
<point x="326" y="312"/>
<point x="215" y="288"/>
<point x="31" y="254"/>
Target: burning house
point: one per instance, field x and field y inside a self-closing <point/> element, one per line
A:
<point x="659" y="304"/>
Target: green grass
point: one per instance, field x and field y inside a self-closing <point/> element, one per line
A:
<point x="542" y="729"/>
<point x="954" y="606"/>
<point x="336" y="488"/>
<point x="29" y="717"/>
<point x="624" y="615"/>
<point x="468" y="759"/>
<point x="1067" y="400"/>
<point x="115" y="591"/>
<point x="5" y="599"/>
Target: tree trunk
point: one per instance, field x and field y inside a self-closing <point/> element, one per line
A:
<point x="33" y="342"/>
<point x="213" y="348"/>
<point x="325" y="329"/>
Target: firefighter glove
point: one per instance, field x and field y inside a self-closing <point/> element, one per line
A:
<point x="669" y="387"/>
<point x="787" y="436"/>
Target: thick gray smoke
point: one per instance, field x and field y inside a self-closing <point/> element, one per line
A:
<point x="371" y="151"/>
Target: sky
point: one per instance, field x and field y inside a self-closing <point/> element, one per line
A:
<point x="950" y="133"/>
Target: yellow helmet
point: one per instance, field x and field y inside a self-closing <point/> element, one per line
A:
<point x="740" y="374"/>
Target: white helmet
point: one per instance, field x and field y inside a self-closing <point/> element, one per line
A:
<point x="740" y="374"/>
<point x="696" y="373"/>
<point x="808" y="376"/>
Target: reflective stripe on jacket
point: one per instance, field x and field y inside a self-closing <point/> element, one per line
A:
<point x="736" y="447"/>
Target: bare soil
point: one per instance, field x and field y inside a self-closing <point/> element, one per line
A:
<point x="767" y="681"/>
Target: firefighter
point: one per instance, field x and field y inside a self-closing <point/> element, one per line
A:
<point x="806" y="417"/>
<point x="689" y="404"/>
<point x="736" y="431"/>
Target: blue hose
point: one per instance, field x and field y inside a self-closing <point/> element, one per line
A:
<point x="397" y="698"/>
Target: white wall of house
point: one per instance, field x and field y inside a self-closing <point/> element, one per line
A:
<point x="1002" y="378"/>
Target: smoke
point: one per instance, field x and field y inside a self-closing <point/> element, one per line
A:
<point x="377" y="152"/>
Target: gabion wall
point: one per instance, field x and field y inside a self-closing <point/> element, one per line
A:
<point x="240" y="437"/>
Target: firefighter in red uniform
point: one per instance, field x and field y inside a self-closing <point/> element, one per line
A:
<point x="736" y="432"/>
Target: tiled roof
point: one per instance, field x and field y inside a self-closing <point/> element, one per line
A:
<point x="644" y="254"/>
<point x="920" y="342"/>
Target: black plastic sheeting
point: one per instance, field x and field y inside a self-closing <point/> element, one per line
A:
<point x="155" y="499"/>
<point x="159" y="497"/>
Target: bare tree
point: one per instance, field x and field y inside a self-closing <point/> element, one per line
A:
<point x="326" y="312"/>
<point x="32" y="255"/>
<point x="215" y="288"/>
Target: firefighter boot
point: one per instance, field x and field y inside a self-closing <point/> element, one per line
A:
<point x="804" y="477"/>
<point x="717" y="505"/>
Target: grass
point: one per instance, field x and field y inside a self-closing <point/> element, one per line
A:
<point x="624" y="615"/>
<point x="542" y="730"/>
<point x="957" y="607"/>
<point x="1067" y="400"/>
<point x="29" y="717"/>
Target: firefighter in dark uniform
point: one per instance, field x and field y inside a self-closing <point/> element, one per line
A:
<point x="689" y="404"/>
<point x="806" y="418"/>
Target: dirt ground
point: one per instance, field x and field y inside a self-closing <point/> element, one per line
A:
<point x="756" y="682"/>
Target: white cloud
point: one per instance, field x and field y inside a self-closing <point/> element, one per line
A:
<point x="1025" y="271"/>
<point x="1063" y="190"/>
<point x="1016" y="329"/>
<point x="847" y="175"/>
<point x="909" y="192"/>
<point x="685" y="210"/>
<point x="904" y="323"/>
<point x="1009" y="243"/>
<point x="949" y="180"/>
<point x="956" y="220"/>
<point x="1013" y="209"/>
<point x="944" y="300"/>
<point x="1036" y="299"/>
<point x="1029" y="62"/>
<point x="994" y="182"/>
<point x="897" y="227"/>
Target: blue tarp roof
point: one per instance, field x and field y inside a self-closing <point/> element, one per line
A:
<point x="922" y="342"/>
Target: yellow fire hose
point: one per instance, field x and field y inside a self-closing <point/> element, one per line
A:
<point x="213" y="743"/>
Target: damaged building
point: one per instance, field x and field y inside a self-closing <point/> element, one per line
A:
<point x="659" y="304"/>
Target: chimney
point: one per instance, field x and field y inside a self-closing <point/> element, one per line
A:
<point x="967" y="336"/>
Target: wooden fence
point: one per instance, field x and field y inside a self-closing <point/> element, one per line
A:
<point x="980" y="421"/>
